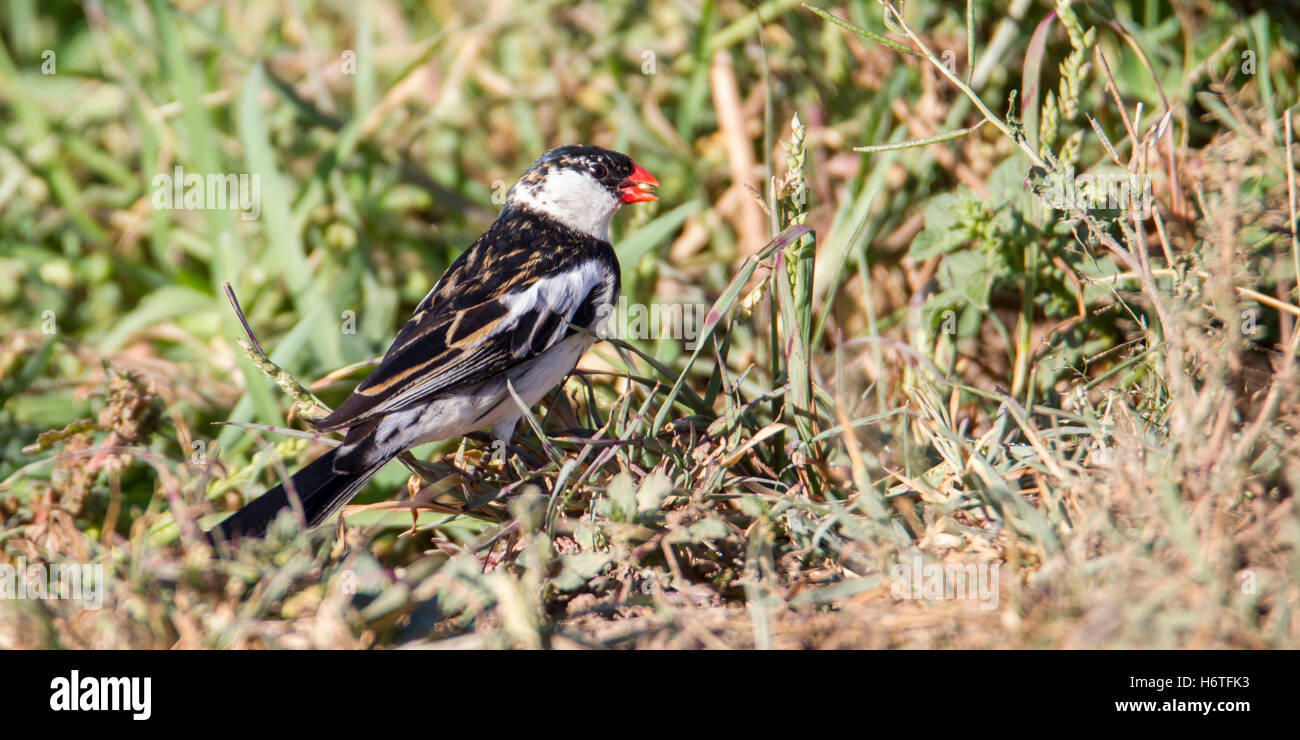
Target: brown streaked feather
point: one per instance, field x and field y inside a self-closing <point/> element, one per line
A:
<point x="445" y="344"/>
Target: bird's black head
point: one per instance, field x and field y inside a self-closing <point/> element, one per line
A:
<point x="581" y="187"/>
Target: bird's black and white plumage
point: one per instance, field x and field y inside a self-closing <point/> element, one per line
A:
<point x="500" y="313"/>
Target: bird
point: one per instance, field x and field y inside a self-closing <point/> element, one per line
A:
<point x="502" y="316"/>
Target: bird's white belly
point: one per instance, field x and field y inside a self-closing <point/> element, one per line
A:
<point x="486" y="405"/>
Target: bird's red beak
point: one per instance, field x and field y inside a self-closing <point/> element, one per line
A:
<point x="635" y="186"/>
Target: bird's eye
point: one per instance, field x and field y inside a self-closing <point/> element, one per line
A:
<point x="599" y="171"/>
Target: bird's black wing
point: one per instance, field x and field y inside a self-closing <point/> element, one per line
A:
<point x="506" y="300"/>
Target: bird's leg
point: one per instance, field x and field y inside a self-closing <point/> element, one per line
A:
<point x="501" y="435"/>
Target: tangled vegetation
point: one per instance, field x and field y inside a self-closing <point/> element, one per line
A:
<point x="872" y="325"/>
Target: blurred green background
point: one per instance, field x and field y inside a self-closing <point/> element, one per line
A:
<point x="384" y="133"/>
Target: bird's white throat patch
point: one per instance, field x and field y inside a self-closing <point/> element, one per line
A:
<point x="574" y="199"/>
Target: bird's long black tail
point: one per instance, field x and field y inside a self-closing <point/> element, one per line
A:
<point x="320" y="489"/>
